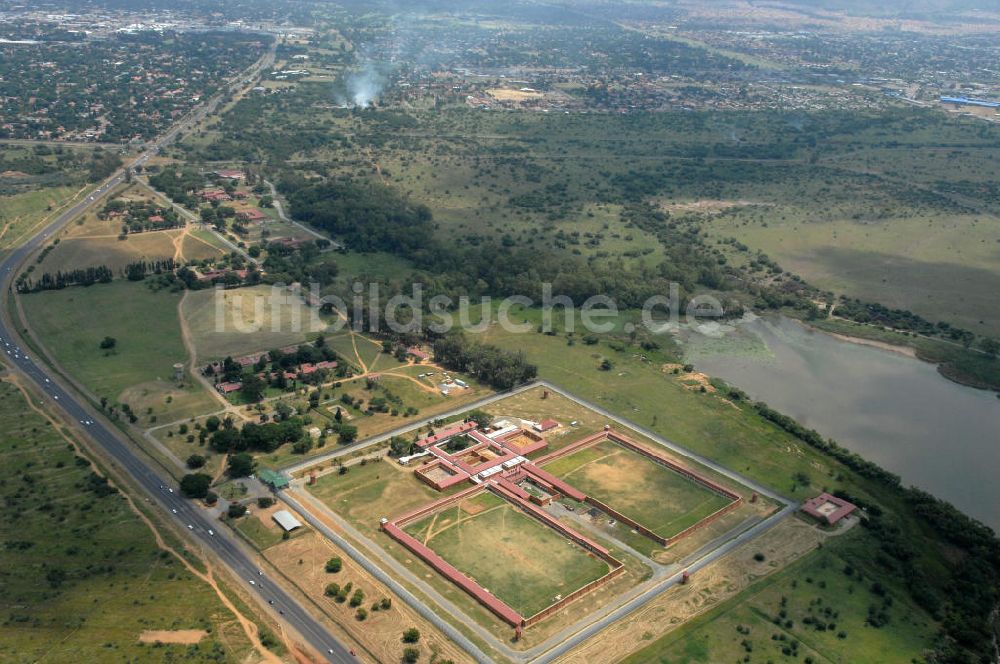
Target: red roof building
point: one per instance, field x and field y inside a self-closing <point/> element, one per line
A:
<point x="251" y="214"/>
<point x="828" y="509"/>
<point x="214" y="195"/>
<point x="546" y="425"/>
<point x="418" y="354"/>
<point x="445" y="434"/>
<point x="228" y="388"/>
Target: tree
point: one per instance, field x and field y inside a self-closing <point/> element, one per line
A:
<point x="264" y="502"/>
<point x="282" y="411"/>
<point x="480" y="418"/>
<point x="332" y="589"/>
<point x="334" y="565"/>
<point x="411" y="635"/>
<point x="212" y="423"/>
<point x="990" y="346"/>
<point x="196" y="461"/>
<point x="236" y="510"/>
<point x="410" y="655"/>
<point x="240" y="465"/>
<point x="606" y="364"/>
<point x="398" y="446"/>
<point x="196" y="485"/>
<point x="108" y="343"/>
<point x="348" y="433"/>
<point x="253" y="388"/>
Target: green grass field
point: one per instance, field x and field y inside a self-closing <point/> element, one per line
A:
<point x="655" y="496"/>
<point x="262" y="536"/>
<point x="366" y="493"/>
<point x="245" y="320"/>
<point x="139" y="369"/>
<point x="24" y="211"/>
<point x="81" y="575"/>
<point x="769" y="617"/>
<point x="943" y="267"/>
<point x="519" y="560"/>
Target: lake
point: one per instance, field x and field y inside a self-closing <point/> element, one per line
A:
<point x="894" y="410"/>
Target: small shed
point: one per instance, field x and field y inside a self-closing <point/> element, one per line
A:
<point x="287" y="522"/>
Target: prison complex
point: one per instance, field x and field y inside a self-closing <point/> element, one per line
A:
<point x="496" y="461"/>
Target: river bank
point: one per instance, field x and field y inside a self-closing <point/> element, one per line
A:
<point x="934" y="433"/>
<point x="966" y="366"/>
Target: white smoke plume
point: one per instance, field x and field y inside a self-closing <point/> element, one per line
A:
<point x="365" y="86"/>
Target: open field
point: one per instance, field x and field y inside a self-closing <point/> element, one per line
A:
<point x="139" y="369"/>
<point x="657" y="497"/>
<point x="519" y="560"/>
<point x="200" y="244"/>
<point x="301" y="560"/>
<point x="262" y="531"/>
<point x="244" y="320"/>
<point x="366" y="493"/>
<point x="816" y="589"/>
<point x="83" y="577"/>
<point x="81" y="252"/>
<point x="23" y="212"/>
<point x="943" y="267"/>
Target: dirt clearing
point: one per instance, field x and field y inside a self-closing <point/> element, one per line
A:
<point x="182" y="636"/>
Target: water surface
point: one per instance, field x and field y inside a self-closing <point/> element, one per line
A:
<point x="892" y="409"/>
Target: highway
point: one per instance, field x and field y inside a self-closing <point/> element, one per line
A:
<point x="125" y="457"/>
<point x="225" y="546"/>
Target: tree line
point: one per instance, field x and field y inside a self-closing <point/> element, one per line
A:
<point x="88" y="276"/>
<point x="494" y="366"/>
<point x="960" y="597"/>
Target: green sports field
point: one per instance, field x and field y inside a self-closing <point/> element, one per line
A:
<point x="519" y="560"/>
<point x="655" y="496"/>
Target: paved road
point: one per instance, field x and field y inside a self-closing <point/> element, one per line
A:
<point x="124" y="457"/>
<point x="285" y="218"/>
<point x="574" y="635"/>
